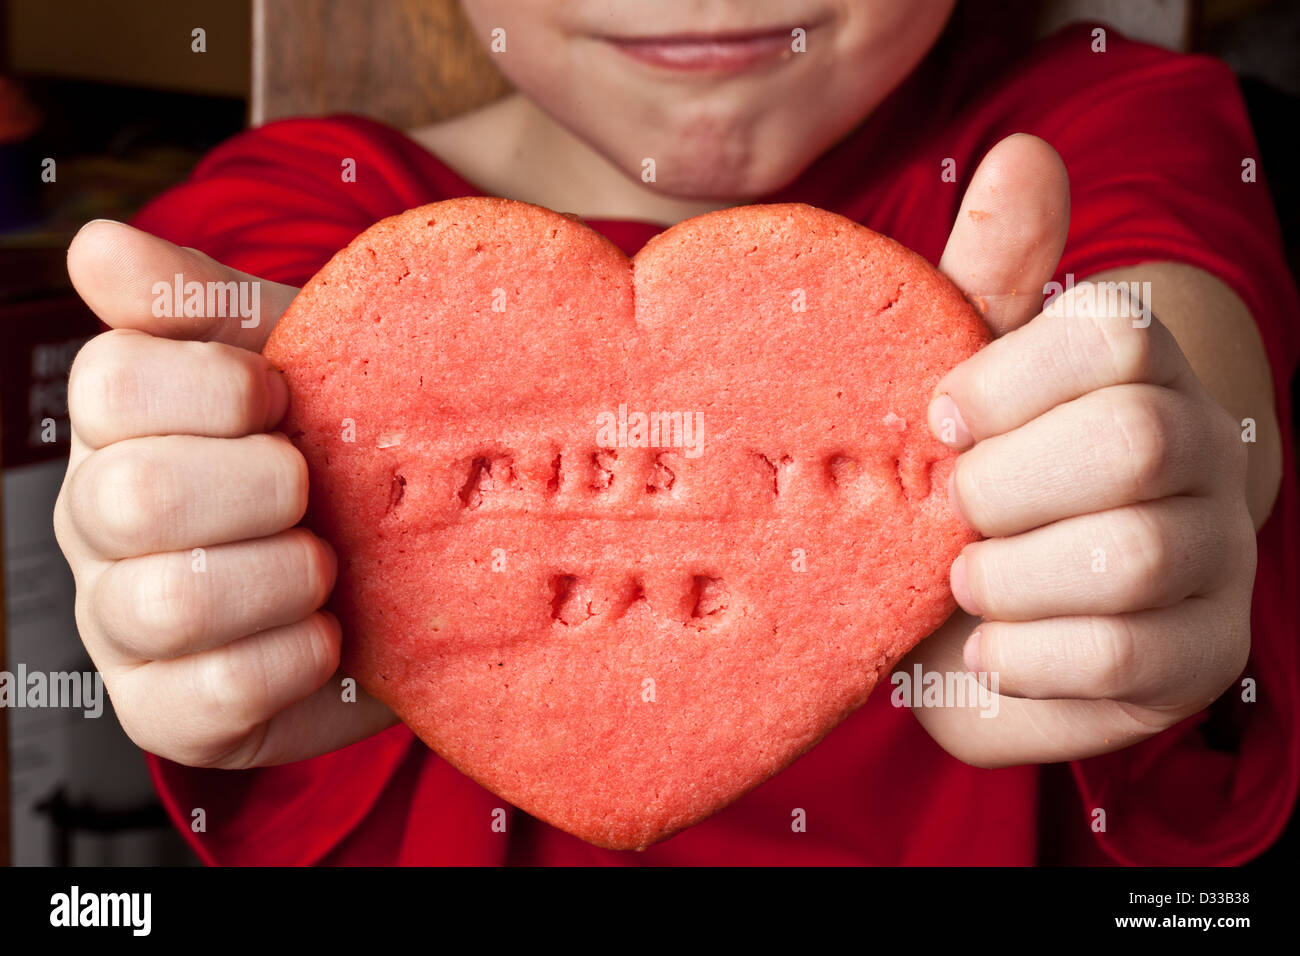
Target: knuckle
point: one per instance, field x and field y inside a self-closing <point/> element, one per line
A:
<point x="1129" y="350"/>
<point x="75" y="508"/>
<point x="1101" y="339"/>
<point x="233" y="685"/>
<point x="170" y="610"/>
<point x="1146" y="428"/>
<point x="64" y="534"/>
<point x="103" y="384"/>
<point x="1144" y="545"/>
<point x="238" y="386"/>
<point x="1112" y="654"/>
<point x="126" y="500"/>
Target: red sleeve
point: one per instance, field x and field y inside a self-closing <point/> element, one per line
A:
<point x="1154" y="144"/>
<point x="280" y="200"/>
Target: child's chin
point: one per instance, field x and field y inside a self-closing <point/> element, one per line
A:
<point x="719" y="184"/>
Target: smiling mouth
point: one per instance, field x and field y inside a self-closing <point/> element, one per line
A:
<point x="710" y="53"/>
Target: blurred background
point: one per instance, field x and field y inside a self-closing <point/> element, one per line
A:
<point x="105" y="104"/>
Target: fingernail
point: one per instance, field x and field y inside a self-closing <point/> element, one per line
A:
<point x="277" y="396"/>
<point x="961" y="587"/>
<point x="947" y="424"/>
<point x="970" y="653"/>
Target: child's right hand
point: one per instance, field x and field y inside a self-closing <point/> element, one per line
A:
<point x="197" y="597"/>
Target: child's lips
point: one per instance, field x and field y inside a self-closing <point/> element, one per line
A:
<point x="718" y="53"/>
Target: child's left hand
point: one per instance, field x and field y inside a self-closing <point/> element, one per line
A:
<point x="1115" y="580"/>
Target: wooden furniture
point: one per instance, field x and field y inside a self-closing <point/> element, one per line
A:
<point x="406" y="62"/>
<point x="140" y="43"/>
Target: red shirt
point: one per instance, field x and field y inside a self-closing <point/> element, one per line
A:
<point x="1154" y="144"/>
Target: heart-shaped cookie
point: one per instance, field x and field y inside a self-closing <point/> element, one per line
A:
<point x="620" y="539"/>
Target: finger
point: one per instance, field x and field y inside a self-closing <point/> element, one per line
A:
<point x="320" y="723"/>
<point x="1135" y="557"/>
<point x="1113" y="447"/>
<point x="200" y="709"/>
<point x="126" y="384"/>
<point x="1010" y="230"/>
<point x="177" y="492"/>
<point x="162" y="606"/>
<point x="128" y="277"/>
<point x="1188" y="652"/>
<point x="1075" y="346"/>
<point x="996" y="730"/>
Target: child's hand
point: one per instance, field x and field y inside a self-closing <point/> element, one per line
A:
<point x="197" y="597"/>
<point x="1115" y="581"/>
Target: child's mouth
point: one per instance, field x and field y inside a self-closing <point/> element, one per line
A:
<point x="715" y="53"/>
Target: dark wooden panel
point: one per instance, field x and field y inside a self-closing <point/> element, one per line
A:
<point x="132" y="42"/>
<point x="406" y="62"/>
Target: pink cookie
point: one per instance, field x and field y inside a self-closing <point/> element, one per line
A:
<point x="622" y="539"/>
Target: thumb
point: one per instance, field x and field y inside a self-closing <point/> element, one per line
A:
<point x="128" y="277"/>
<point x="1009" y="233"/>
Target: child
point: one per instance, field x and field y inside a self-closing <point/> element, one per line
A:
<point x="1082" y="432"/>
